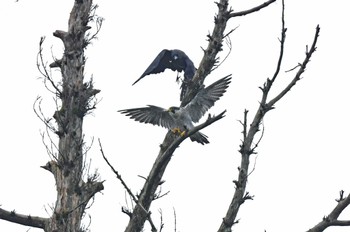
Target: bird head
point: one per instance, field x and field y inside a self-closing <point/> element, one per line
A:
<point x="173" y="109"/>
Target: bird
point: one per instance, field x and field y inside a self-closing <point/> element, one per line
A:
<point x="175" y="60"/>
<point x="181" y="119"/>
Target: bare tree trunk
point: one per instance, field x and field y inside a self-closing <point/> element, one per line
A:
<point x="73" y="193"/>
<point x="67" y="164"/>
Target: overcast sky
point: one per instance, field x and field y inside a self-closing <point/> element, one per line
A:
<point x="303" y="159"/>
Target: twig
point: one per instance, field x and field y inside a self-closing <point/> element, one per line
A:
<point x="269" y="82"/>
<point x="43" y="70"/>
<point x="229" y="45"/>
<point x="117" y="174"/>
<point x="174" y="219"/>
<point x="253" y="169"/>
<point x="161" y="220"/>
<point x="41" y="116"/>
<point x="119" y="177"/>
<point x="300" y="71"/>
<point x="252" y="10"/>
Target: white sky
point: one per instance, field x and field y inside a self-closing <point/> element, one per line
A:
<point x="303" y="157"/>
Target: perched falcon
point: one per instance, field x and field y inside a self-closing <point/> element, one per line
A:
<point x="181" y="119"/>
<point x="175" y="60"/>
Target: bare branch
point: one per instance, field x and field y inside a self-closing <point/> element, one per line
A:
<point x="46" y="120"/>
<point x="174" y="219"/>
<point x="41" y="65"/>
<point x="117" y="174"/>
<point x="161" y="220"/>
<point x="269" y="82"/>
<point x="25" y="220"/>
<point x="229" y="45"/>
<point x="247" y="148"/>
<point x="98" y="23"/>
<point x="153" y="227"/>
<point x="332" y="218"/>
<point x="119" y="177"/>
<point x="300" y="71"/>
<point x="252" y="10"/>
<point x="159" y="194"/>
<point x="282" y="41"/>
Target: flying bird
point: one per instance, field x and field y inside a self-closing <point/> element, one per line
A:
<point x="175" y="60"/>
<point x="181" y="119"/>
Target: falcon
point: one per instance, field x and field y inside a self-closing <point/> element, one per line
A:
<point x="181" y="119"/>
<point x="175" y="60"/>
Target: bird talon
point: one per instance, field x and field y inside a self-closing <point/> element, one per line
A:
<point x="176" y="130"/>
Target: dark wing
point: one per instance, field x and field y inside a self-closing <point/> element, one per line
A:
<point x="151" y="114"/>
<point x="183" y="63"/>
<point x="179" y="60"/>
<point x="206" y="97"/>
<point x="158" y="65"/>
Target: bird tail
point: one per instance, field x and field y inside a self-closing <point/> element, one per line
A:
<point x="185" y="86"/>
<point x="199" y="138"/>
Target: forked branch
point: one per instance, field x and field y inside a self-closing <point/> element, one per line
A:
<point x="247" y="147"/>
<point x="332" y="218"/>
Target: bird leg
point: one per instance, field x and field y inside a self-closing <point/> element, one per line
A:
<point x="178" y="131"/>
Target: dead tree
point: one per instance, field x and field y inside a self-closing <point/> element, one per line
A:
<point x="209" y="61"/>
<point x="141" y="212"/>
<point x="74" y="101"/>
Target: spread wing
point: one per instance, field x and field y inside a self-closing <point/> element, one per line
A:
<point x="151" y="114"/>
<point x="206" y="98"/>
<point x="158" y="65"/>
<point x="176" y="60"/>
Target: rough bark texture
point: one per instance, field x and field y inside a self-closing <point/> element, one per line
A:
<point x="73" y="193"/>
<point x="67" y="166"/>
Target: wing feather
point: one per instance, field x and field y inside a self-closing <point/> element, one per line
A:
<point x="206" y="98"/>
<point x="158" y="65"/>
<point x="151" y="114"/>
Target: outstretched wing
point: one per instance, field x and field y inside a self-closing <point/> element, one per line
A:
<point x="158" y="65"/>
<point x="206" y="98"/>
<point x="176" y="60"/>
<point x="151" y="114"/>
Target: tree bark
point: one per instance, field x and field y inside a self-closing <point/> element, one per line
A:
<point x="73" y="193"/>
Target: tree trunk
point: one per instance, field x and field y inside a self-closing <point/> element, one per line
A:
<point x="73" y="193"/>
